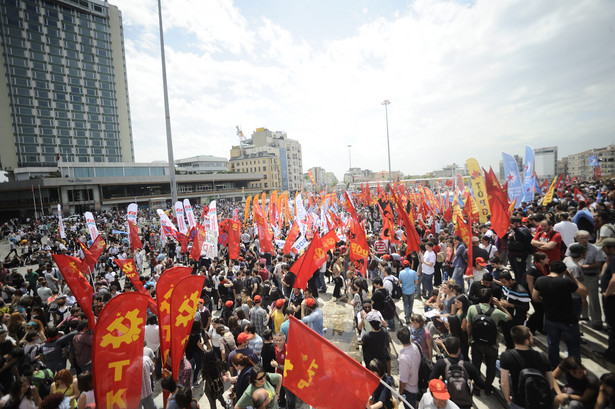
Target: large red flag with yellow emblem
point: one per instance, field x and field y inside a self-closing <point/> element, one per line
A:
<point x="128" y="268"/>
<point x="265" y="236"/>
<point x="184" y="301"/>
<point x="329" y="240"/>
<point x="79" y="286"/>
<point x="117" y="351"/>
<point x="234" y="234"/>
<point x="133" y="235"/>
<point x="321" y="375"/>
<point x="164" y="288"/>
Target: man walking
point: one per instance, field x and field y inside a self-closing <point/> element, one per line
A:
<point x="409" y="279"/>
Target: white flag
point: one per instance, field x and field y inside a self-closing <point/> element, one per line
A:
<point x="179" y="214"/>
<point x="189" y="213"/>
<point x="60" y="222"/>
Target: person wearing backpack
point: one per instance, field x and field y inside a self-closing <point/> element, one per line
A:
<point x="409" y="281"/>
<point x="525" y="374"/>
<point x="458" y="374"/>
<point x="482" y="333"/>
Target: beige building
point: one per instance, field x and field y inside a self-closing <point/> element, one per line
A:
<point x="270" y="145"/>
<point x="264" y="163"/>
<point x="578" y="163"/>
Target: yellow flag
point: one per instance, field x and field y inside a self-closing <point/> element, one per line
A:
<point x="478" y="186"/>
<point x="549" y="196"/>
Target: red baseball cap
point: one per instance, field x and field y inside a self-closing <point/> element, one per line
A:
<point x="438" y="389"/>
<point x="405" y="263"/>
<point x="257" y="298"/>
<point x="243" y="337"/>
<point x="280" y="303"/>
<point x="481" y="261"/>
<point x="310" y="302"/>
<point x="228" y="304"/>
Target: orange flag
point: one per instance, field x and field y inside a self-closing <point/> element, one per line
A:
<point x="293" y="233"/>
<point x="465" y="233"/>
<point x="117" y="351"/>
<point x="265" y="236"/>
<point x="164" y="288"/>
<point x="309" y="373"/>
<point x="184" y="301"/>
<point x="412" y="237"/>
<point x="79" y="286"/>
<point x="306" y="265"/>
<point x="359" y="249"/>
<point x="329" y="240"/>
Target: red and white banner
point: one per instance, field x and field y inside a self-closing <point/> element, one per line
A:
<point x="179" y="215"/>
<point x="189" y="214"/>
<point x="91" y="223"/>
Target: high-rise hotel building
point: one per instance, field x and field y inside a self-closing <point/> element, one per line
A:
<point x="63" y="85"/>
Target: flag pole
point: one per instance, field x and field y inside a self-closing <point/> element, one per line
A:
<point x="34" y="201"/>
<point x="397" y="394"/>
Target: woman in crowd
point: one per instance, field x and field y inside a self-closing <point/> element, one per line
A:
<point x="243" y="367"/>
<point x="382" y="397"/>
<point x="66" y="384"/>
<point x="213" y="370"/>
<point x="16" y="326"/>
<point x="21" y="396"/>
<point x="85" y="384"/>
<point x="259" y="379"/>
<point x="419" y="333"/>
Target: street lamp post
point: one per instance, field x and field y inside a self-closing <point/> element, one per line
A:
<point x="386" y="103"/>
<point x="167" y="114"/>
<point x="349" y="159"/>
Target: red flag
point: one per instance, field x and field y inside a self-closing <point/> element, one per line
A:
<point x="359" y="249"/>
<point x="350" y="207"/>
<point x="79" y="286"/>
<point x="128" y="268"/>
<point x="164" y="289"/>
<point x="135" y="241"/>
<point x="197" y="244"/>
<point x="86" y="266"/>
<point x="412" y="237"/>
<point x="498" y="204"/>
<point x="309" y="374"/>
<point x="578" y="196"/>
<point x="265" y="236"/>
<point x="466" y="235"/>
<point x="117" y="351"/>
<point x="306" y="265"/>
<point x="293" y="233"/>
<point x="329" y="240"/>
<point x="184" y="301"/>
<point x="233" y="239"/>
<point x="98" y="246"/>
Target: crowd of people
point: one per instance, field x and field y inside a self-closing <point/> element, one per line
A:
<point x="553" y="269"/>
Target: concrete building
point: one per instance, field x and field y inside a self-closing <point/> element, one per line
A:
<point x="578" y="164"/>
<point x="202" y="164"/>
<point x="450" y="171"/>
<point x="63" y="84"/>
<point x="96" y="187"/>
<point x="266" y="164"/>
<point x="323" y="178"/>
<point x="545" y="162"/>
<point x="288" y="152"/>
<point x="355" y="175"/>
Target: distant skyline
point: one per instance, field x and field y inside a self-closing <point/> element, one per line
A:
<point x="465" y="79"/>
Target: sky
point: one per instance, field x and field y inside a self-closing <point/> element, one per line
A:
<point x="464" y="78"/>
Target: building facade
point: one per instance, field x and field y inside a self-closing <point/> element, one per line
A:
<point x="202" y="164"/>
<point x="545" y="162"/>
<point x="286" y="150"/>
<point x="63" y="84"/>
<point x="264" y="163"/>
<point x="578" y="163"/>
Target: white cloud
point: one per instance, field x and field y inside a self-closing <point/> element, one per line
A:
<point x="463" y="81"/>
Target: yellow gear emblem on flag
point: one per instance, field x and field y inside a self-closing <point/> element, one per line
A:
<point x="187" y="310"/>
<point x="129" y="334"/>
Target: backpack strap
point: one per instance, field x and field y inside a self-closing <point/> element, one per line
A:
<point x="489" y="311"/>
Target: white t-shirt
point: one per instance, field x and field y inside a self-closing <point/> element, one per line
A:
<point x="429" y="257"/>
<point x="25" y="403"/>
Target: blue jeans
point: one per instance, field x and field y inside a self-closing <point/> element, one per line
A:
<point x="408" y="300"/>
<point x="554" y="332"/>
<point x="458" y="275"/>
<point x="428" y="284"/>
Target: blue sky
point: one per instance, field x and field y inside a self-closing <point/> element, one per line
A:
<point x="465" y="79"/>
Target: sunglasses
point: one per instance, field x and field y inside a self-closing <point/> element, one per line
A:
<point x="260" y="378"/>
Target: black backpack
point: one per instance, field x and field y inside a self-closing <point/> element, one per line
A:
<point x="424" y="368"/>
<point x="396" y="292"/>
<point x="458" y="383"/>
<point x="533" y="389"/>
<point x="389" y="311"/>
<point x="484" y="329"/>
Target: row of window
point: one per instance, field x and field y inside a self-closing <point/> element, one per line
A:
<point x="119" y="171"/>
<point x="32" y="160"/>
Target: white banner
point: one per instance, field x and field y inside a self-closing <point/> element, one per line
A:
<point x="210" y="246"/>
<point x="213" y="217"/>
<point x="301" y="244"/>
<point x="165" y="221"/>
<point x="189" y="214"/>
<point x="179" y="215"/>
<point x="60" y="222"/>
<point x="91" y="223"/>
<point x="131" y="213"/>
<point x="300" y="208"/>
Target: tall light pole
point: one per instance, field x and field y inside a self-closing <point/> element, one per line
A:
<point x="167" y="114"/>
<point x="386" y="103"/>
<point x="349" y="160"/>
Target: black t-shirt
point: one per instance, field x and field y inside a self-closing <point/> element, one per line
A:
<point x="589" y="381"/>
<point x="375" y="346"/>
<point x="378" y="298"/>
<point x="556" y="293"/>
<point x="608" y="273"/>
<point x="509" y="360"/>
<point x="267" y="354"/>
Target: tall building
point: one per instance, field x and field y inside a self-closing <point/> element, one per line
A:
<point x="202" y="164"/>
<point x="63" y="85"/>
<point x="578" y="164"/>
<point x="545" y="162"/>
<point x="263" y="142"/>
